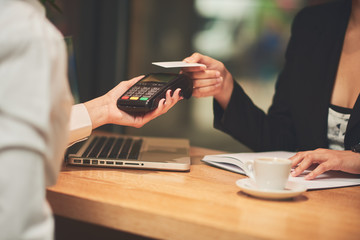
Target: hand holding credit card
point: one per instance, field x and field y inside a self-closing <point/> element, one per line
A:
<point x="177" y="64"/>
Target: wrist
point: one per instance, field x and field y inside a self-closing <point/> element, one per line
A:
<point x="98" y="111"/>
<point x="223" y="98"/>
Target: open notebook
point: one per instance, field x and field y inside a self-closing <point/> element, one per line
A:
<point x="235" y="161"/>
<point x="123" y="151"/>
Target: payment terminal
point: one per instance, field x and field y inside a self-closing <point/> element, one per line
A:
<point x="145" y="95"/>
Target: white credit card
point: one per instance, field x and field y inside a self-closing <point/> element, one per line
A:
<point x="177" y="64"/>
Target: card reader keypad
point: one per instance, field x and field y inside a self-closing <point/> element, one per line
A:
<point x="142" y="92"/>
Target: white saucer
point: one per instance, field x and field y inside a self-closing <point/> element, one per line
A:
<point x="292" y="189"/>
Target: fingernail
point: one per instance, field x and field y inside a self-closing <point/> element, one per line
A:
<point x="217" y="74"/>
<point x="309" y="176"/>
<point x="220" y="79"/>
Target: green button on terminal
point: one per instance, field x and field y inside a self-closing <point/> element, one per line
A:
<point x="144" y="98"/>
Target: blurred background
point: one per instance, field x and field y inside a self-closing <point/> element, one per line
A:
<point x="116" y="40"/>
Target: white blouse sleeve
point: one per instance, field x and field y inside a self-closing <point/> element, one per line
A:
<point x="35" y="103"/>
<point x="80" y="124"/>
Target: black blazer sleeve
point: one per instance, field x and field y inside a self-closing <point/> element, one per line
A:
<point x="297" y="118"/>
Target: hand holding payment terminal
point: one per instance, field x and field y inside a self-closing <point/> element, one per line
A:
<point x="145" y="95"/>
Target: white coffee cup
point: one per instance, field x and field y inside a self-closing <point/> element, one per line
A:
<point x="269" y="173"/>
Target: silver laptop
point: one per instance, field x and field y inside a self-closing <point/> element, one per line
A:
<point x="122" y="151"/>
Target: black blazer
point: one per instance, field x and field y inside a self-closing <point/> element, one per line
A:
<point x="297" y="118"/>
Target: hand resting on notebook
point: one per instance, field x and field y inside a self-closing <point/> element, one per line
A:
<point x="327" y="159"/>
<point x="103" y="110"/>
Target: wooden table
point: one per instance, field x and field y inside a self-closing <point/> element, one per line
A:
<point x="204" y="203"/>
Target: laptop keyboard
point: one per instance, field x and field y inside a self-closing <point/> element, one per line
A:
<point x="113" y="148"/>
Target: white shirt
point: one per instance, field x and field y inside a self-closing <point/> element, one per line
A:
<point x="337" y="123"/>
<point x="35" y="106"/>
<point x="80" y="124"/>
